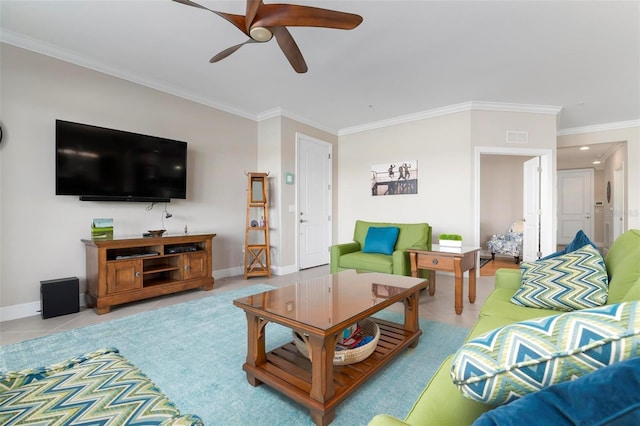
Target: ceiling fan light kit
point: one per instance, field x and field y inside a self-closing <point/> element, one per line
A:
<point x="264" y="21"/>
<point x="260" y="34"/>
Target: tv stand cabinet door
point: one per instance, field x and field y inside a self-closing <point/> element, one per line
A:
<point x="124" y="276"/>
<point x="195" y="265"/>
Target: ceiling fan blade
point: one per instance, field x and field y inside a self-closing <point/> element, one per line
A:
<point x="290" y="49"/>
<point x="252" y="10"/>
<point x="190" y="3"/>
<point x="237" y="20"/>
<point x="291" y="15"/>
<point x="226" y="52"/>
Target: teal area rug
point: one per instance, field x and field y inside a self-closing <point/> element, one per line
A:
<point x="194" y="352"/>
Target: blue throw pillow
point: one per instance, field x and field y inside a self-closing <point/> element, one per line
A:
<point x="608" y="396"/>
<point x="380" y="239"/>
<point x="579" y="241"/>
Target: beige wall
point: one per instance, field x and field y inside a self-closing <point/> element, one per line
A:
<point x="41" y="232"/>
<point x="277" y="155"/>
<point x="444" y="147"/>
<point x="630" y="161"/>
<point x="501" y="193"/>
<point x="441" y="146"/>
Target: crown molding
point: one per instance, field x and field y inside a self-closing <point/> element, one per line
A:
<point x="279" y="112"/>
<point x="465" y="106"/>
<point x="599" y="127"/>
<point x="47" y="49"/>
<point x="509" y="107"/>
<point x="37" y="46"/>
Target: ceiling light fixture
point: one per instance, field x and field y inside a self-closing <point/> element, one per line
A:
<point x="260" y="34"/>
<point x="584" y="148"/>
<point x="596" y="162"/>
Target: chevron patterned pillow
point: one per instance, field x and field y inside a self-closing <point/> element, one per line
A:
<point x="575" y="280"/>
<point x="512" y="361"/>
<point x="101" y="388"/>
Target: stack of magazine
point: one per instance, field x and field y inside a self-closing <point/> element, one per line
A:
<point x="352" y="338"/>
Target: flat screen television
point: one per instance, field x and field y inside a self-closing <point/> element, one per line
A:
<point x="100" y="164"/>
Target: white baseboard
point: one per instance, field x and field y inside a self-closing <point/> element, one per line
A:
<point x="284" y="270"/>
<point x="229" y="272"/>
<point x="29" y="309"/>
<point x="21" y="310"/>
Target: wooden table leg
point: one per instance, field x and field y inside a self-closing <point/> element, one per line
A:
<point x="256" y="354"/>
<point x="457" y="264"/>
<point x="321" y="351"/>
<point x="411" y="318"/>
<point x="472" y="285"/>
<point x="432" y="282"/>
<point x="413" y="260"/>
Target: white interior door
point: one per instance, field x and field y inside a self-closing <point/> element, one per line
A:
<point x="575" y="204"/>
<point x="531" y="209"/>
<point x="314" y="202"/>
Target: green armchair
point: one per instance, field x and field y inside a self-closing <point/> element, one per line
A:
<point x="350" y="255"/>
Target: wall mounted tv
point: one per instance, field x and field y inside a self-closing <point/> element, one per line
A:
<point x="101" y="164"/>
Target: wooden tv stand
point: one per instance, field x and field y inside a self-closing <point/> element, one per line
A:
<point x="125" y="270"/>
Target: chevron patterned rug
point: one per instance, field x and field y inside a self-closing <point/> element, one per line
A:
<point x="194" y="352"/>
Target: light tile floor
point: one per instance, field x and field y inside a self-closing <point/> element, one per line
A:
<point x="438" y="307"/>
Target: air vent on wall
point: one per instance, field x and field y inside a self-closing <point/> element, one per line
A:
<point x="517" y="136"/>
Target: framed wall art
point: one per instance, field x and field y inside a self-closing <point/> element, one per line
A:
<point x="394" y="178"/>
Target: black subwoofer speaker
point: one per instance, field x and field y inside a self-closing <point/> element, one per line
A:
<point x="59" y="297"/>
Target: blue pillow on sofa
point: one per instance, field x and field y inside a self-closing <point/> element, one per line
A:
<point x="610" y="395"/>
<point x="579" y="241"/>
<point x="381" y="239"/>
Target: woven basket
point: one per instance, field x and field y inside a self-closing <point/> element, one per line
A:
<point x="347" y="356"/>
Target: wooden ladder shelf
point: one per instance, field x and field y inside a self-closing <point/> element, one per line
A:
<point x="257" y="253"/>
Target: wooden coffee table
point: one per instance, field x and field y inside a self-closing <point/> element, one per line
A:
<point x="322" y="308"/>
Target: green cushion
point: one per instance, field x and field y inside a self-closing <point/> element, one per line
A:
<point x="380" y="239"/>
<point x="373" y="262"/>
<point x="626" y="245"/>
<point x="441" y="403"/>
<point x="574" y="280"/>
<point x="509" y="362"/>
<point x="633" y="293"/>
<point x="498" y="304"/>
<point x="622" y="265"/>
<point x="409" y="234"/>
<point x="625" y="277"/>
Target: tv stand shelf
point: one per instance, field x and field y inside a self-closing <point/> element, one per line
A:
<point x="130" y="269"/>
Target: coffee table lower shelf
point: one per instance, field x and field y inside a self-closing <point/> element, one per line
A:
<point x="289" y="372"/>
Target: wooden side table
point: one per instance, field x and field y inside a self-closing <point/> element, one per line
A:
<point x="447" y="259"/>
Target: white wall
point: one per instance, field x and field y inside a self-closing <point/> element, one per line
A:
<point x="41" y="232"/>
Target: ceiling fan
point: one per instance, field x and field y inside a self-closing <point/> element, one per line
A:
<point x="264" y="21"/>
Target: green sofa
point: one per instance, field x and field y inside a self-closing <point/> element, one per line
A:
<point x="350" y="255"/>
<point x="442" y="404"/>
